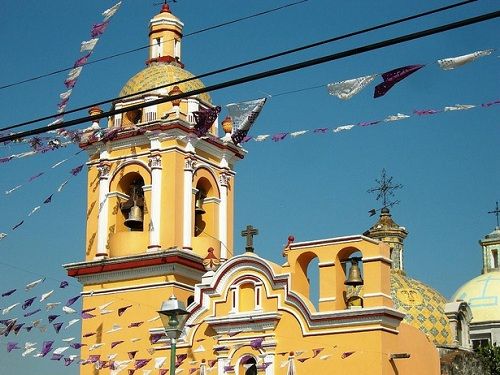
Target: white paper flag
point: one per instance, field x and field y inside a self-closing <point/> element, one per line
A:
<point x="89" y="45"/>
<point x="52" y="305"/>
<point x="33" y="211"/>
<point x="61" y="349"/>
<point x="34" y="283"/>
<point x="459" y="107"/>
<point x="300" y="132"/>
<point x="68" y="310"/>
<point x="28" y="351"/>
<point x="397" y="117"/>
<point x="343" y="128"/>
<point x="114" y="328"/>
<point x="455" y="62"/>
<point x="65" y="95"/>
<point x="74" y="73"/>
<point x="261" y="138"/>
<point x="160" y="361"/>
<point x="71" y="322"/>
<point x="69" y="339"/>
<point x="108" y="13"/>
<point x="347" y="89"/>
<point x="7" y="309"/>
<point x="46" y="295"/>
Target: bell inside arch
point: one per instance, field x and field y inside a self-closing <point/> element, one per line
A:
<point x="135" y="218"/>
<point x="354" y="278"/>
<point x="198" y="207"/>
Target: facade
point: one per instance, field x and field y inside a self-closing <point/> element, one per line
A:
<point x="483" y="294"/>
<point x="160" y="223"/>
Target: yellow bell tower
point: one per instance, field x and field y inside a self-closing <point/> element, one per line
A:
<point x="159" y="197"/>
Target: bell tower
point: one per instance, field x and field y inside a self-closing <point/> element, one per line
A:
<point x="160" y="195"/>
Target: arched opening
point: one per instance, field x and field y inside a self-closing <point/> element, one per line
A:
<point x="313" y="280"/>
<point x="353" y="271"/>
<point x="248" y="365"/>
<point x="204" y="210"/>
<point x="190" y="300"/>
<point x="132" y="210"/>
<point x="132" y="117"/>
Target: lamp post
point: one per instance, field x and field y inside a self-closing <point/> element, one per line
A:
<point x="170" y="312"/>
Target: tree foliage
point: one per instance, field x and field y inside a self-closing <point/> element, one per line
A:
<point x="489" y="355"/>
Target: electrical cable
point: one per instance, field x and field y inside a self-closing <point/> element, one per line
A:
<point x="149" y="45"/>
<point x="251" y="62"/>
<point x="267" y="73"/>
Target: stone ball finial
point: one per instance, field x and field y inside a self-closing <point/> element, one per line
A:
<point x="175" y="91"/>
<point x="227" y="125"/>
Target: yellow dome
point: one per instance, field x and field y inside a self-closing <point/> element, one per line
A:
<point x="423" y="306"/>
<point x="482" y="294"/>
<point x="159" y="74"/>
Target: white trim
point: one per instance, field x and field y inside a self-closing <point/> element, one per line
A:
<point x="118" y="194"/>
<point x="102" y="217"/>
<point x="212" y="200"/>
<point x="326" y="264"/>
<point x="377" y="258"/>
<point x="331" y="241"/>
<point x="147" y="187"/>
<point x="129" y="288"/>
<point x="328" y="299"/>
<point x="187" y="229"/>
<point x="379" y="294"/>
<point x="223" y="224"/>
<point x="155" y="220"/>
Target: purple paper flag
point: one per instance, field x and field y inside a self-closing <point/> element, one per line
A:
<point x="18" y="225"/>
<point x="6" y="159"/>
<point x="72" y="301"/>
<point x="63" y="103"/>
<point x="32" y="312"/>
<point x="89" y="334"/>
<point x="135" y="324"/>
<point x="46" y="347"/>
<point x="256" y="343"/>
<point x="17" y="328"/>
<point x="421" y="112"/>
<point x="279" y="137"/>
<point x="155" y="337"/>
<point x="368" y="123"/>
<point x="76" y="170"/>
<point x="320" y="130"/>
<point x="70" y="83"/>
<point x="51" y="318"/>
<point x="246" y="139"/>
<point x="139" y="363"/>
<point x="68" y="361"/>
<point x="63" y="284"/>
<point x="98" y="29"/>
<point x="28" y="303"/>
<point x="204" y="119"/>
<point x="11" y="346"/>
<point x="132" y="354"/>
<point x="86" y="315"/>
<point x="8" y="293"/>
<point x="57" y="326"/>
<point x="121" y="310"/>
<point x="48" y="199"/>
<point x="489" y="104"/>
<point x="35" y="176"/>
<point x="82" y="60"/>
<point x="28" y="328"/>
<point x="77" y="345"/>
<point x="57" y="357"/>
<point x="394" y="76"/>
<point x="115" y="343"/>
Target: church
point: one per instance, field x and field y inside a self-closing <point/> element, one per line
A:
<point x="160" y="228"/>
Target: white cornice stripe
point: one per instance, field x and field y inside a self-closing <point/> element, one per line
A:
<point x="377" y="258"/>
<point x="327" y="299"/>
<point x="331" y="241"/>
<point x="117" y="194"/>
<point x="326" y="264"/>
<point x="130" y="288"/>
<point x="368" y="295"/>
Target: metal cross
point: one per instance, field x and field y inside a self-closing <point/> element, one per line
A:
<point x="385" y="189"/>
<point x="496" y="212"/>
<point x="249" y="233"/>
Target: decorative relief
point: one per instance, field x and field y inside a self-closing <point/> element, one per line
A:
<point x="190" y="163"/>
<point x="224" y="179"/>
<point x="155" y="161"/>
<point x="104" y="169"/>
<point x="410" y="297"/>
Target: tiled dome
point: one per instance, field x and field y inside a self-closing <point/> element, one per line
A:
<point x="159" y="74"/>
<point x="423" y="306"/>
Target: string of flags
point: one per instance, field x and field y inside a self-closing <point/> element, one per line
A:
<point x="87" y="48"/>
<point x="277" y="137"/>
<point x="74" y="172"/>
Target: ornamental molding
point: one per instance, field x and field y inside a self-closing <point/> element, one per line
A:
<point x="190" y="163"/>
<point x="155" y="161"/>
<point x="250" y="321"/>
<point x="224" y="179"/>
<point x="103" y="169"/>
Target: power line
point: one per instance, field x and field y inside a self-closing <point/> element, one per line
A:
<point x="251" y="62"/>
<point x="149" y="45"/>
<point x="267" y="73"/>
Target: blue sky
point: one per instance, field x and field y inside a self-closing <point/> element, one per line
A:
<point x="313" y="186"/>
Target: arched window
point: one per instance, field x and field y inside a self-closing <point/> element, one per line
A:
<point x="247" y="297"/>
<point x="190" y="300"/>
<point x="353" y="268"/>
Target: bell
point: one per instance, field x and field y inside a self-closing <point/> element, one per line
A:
<point x="354" y="277"/>
<point x="134" y="220"/>
<point x="198" y="206"/>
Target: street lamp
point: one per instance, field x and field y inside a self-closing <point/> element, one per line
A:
<point x="170" y="312"/>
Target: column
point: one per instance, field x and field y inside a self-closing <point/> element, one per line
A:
<point x="102" y="222"/>
<point x="155" y="206"/>
<point x="189" y="166"/>
<point x="224" y="183"/>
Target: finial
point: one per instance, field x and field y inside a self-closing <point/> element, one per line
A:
<point x="249" y="232"/>
<point x="385" y="190"/>
<point x="496" y="212"/>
